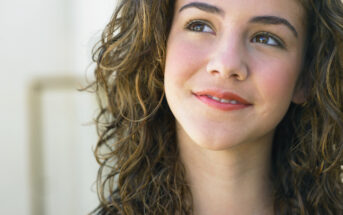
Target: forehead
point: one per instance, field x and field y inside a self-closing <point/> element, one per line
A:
<point x="257" y="4"/>
<point x="290" y="9"/>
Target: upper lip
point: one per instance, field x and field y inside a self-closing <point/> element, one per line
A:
<point x="222" y="95"/>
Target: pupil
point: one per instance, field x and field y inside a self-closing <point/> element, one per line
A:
<point x="198" y="27"/>
<point x="262" y="39"/>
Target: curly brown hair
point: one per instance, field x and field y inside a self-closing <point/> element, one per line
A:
<point x="140" y="170"/>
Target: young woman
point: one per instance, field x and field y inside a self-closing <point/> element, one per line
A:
<point x="221" y="107"/>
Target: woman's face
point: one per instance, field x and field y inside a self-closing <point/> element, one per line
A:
<point x="231" y="68"/>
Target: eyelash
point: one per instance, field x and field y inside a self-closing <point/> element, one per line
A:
<point x="277" y="40"/>
<point x="202" y="23"/>
<point x="192" y="24"/>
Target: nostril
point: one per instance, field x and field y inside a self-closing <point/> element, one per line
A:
<point x="235" y="75"/>
<point x="227" y="69"/>
<point x="214" y="72"/>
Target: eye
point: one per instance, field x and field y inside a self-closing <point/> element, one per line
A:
<point x="268" y="39"/>
<point x="199" y="26"/>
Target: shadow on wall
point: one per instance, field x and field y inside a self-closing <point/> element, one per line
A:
<point x="63" y="168"/>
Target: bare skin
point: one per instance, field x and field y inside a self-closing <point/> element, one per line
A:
<point x="230" y="76"/>
<point x="224" y="183"/>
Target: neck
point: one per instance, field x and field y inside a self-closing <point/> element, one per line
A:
<point x="234" y="181"/>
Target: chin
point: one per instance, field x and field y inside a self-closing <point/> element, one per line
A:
<point x="211" y="141"/>
<point x="205" y="137"/>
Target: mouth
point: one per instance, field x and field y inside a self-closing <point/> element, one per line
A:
<point x="222" y="100"/>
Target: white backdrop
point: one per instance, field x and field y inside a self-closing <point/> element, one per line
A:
<point x="39" y="40"/>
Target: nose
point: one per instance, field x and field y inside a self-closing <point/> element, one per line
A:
<point x="228" y="60"/>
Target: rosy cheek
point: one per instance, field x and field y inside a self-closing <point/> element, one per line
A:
<point x="183" y="58"/>
<point x="278" y="80"/>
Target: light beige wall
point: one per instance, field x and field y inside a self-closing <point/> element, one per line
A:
<point x="41" y="39"/>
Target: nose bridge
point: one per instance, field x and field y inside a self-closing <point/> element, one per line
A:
<point x="231" y="48"/>
<point x="228" y="56"/>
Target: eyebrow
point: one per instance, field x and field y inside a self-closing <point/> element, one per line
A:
<point x="273" y="20"/>
<point x="203" y="6"/>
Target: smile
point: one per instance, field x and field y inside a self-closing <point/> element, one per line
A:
<point x="222" y="100"/>
<point x="226" y="101"/>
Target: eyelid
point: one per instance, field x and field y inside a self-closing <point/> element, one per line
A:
<point x="278" y="39"/>
<point x="200" y="21"/>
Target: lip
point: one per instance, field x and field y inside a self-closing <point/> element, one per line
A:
<point x="203" y="96"/>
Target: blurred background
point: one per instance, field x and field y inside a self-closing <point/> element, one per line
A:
<point x="46" y="133"/>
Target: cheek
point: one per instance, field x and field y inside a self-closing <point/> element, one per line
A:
<point x="274" y="87"/>
<point x="184" y="58"/>
<point x="177" y="62"/>
<point x="278" y="80"/>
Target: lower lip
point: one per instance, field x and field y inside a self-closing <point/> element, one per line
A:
<point x="221" y="106"/>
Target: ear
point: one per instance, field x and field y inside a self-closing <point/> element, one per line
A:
<point x="299" y="96"/>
